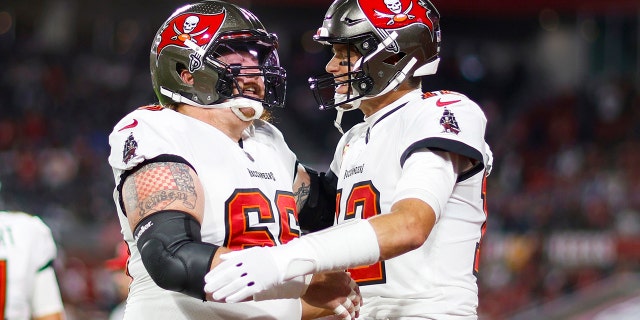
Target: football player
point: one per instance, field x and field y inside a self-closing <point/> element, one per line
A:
<point x="201" y="174"/>
<point x="408" y="182"/>
<point x="28" y="285"/>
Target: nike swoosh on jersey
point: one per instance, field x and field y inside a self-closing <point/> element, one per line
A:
<point x="129" y="126"/>
<point x="441" y="103"/>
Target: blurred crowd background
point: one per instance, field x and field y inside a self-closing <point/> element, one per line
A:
<point x="558" y="81"/>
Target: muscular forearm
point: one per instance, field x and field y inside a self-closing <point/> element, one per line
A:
<point x="405" y="228"/>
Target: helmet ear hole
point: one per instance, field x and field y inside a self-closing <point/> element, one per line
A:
<point x="394" y="59"/>
<point x="179" y="67"/>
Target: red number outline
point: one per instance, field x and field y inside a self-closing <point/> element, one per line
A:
<point x="3" y="287"/>
<point x="485" y="208"/>
<point x="286" y="204"/>
<point x="364" y="200"/>
<point x="240" y="235"/>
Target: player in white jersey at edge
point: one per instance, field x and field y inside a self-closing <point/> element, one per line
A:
<point x="408" y="182"/>
<point x="28" y="285"/>
<point x="201" y="174"/>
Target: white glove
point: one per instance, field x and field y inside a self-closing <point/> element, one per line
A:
<point x="290" y="289"/>
<point x="242" y="274"/>
<point x="245" y="273"/>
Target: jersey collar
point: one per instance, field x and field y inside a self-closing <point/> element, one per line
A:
<point x="373" y="119"/>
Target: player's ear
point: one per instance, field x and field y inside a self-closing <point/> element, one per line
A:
<point x="186" y="76"/>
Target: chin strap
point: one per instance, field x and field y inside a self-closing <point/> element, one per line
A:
<point x="353" y="105"/>
<point x="182" y="99"/>
<point x="235" y="104"/>
<point x="338" y="121"/>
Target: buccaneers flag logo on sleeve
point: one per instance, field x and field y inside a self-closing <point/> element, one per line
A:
<point x="395" y="14"/>
<point x="197" y="28"/>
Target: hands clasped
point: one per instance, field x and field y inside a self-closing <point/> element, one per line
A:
<point x="262" y="273"/>
<point x="335" y="291"/>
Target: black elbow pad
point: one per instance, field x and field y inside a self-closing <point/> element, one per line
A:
<point x="319" y="210"/>
<point x="173" y="253"/>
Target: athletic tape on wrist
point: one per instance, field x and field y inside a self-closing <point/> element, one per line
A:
<point x="338" y="248"/>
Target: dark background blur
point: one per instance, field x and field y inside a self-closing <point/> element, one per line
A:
<point x="558" y="81"/>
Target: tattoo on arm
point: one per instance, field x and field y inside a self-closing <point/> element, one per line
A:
<point x="158" y="185"/>
<point x="301" y="195"/>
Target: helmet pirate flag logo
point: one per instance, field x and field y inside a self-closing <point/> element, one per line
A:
<point x="396" y="14"/>
<point x="197" y="28"/>
<point x="388" y="15"/>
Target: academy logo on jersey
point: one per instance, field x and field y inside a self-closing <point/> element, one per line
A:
<point x="449" y="123"/>
<point x="198" y="29"/>
<point x="129" y="150"/>
<point x="396" y="14"/>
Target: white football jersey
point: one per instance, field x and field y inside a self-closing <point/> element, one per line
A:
<point x="26" y="248"/>
<point x="437" y="280"/>
<point x="248" y="202"/>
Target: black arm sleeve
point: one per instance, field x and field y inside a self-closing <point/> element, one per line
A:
<point x="173" y="252"/>
<point x="319" y="211"/>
